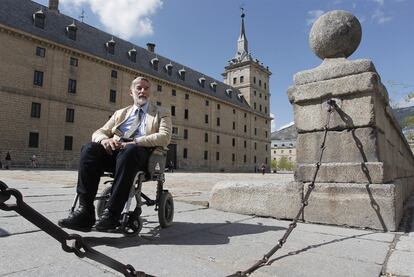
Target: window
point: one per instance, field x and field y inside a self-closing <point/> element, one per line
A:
<point x="260" y="107"/>
<point x="266" y="147"/>
<point x="72" y="86"/>
<point x="218" y="139"/>
<point x="175" y="130"/>
<point x="41" y="52"/>
<point x="245" y="115"/>
<point x="255" y="146"/>
<point x="71" y="33"/>
<point x="132" y="54"/>
<point x="245" y="144"/>
<point x="218" y="106"/>
<point x="173" y="92"/>
<point x="158" y="103"/>
<point x="73" y="61"/>
<point x="110" y="46"/>
<point x="233" y="142"/>
<point x="290" y="151"/>
<point x="234" y="111"/>
<point x="207" y="103"/>
<point x="205" y="155"/>
<point x="181" y="73"/>
<point x="38" y="78"/>
<point x="185" y="153"/>
<point x="254" y="105"/>
<point x="255" y="161"/>
<point x="234" y="125"/>
<point x="112" y="96"/>
<point x="265" y="85"/>
<point x="155" y="62"/>
<point x="265" y="97"/>
<point x="265" y="109"/>
<point x="260" y="83"/>
<point x="233" y="157"/>
<point x="186" y="114"/>
<point x="218" y="121"/>
<point x="33" y="140"/>
<point x="185" y="134"/>
<point x="114" y="74"/>
<point x="35" y="110"/>
<point x="213" y="86"/>
<point x="205" y="137"/>
<point x="260" y="95"/>
<point x="254" y="80"/>
<point x="202" y="81"/>
<point x="68" y="143"/>
<point x="70" y="115"/>
<point x="168" y="67"/>
<point x="187" y="96"/>
<point x="241" y="79"/>
<point x="234" y="80"/>
<point x="206" y="118"/>
<point x="159" y="88"/>
<point x="172" y="110"/>
<point x="255" y="131"/>
<point x="39" y="19"/>
<point x="245" y="128"/>
<point x="255" y="93"/>
<point x="266" y="133"/>
<point x="244" y="159"/>
<point x="217" y="156"/>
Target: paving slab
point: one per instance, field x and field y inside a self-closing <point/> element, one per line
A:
<point x="201" y="242"/>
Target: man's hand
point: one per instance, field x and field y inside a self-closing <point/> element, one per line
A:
<point x="110" y="145"/>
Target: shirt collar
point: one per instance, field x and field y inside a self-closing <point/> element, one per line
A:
<point x="143" y="107"/>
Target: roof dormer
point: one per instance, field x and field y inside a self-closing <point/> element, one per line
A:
<point x="229" y="92"/>
<point x="39" y="19"/>
<point x="132" y="54"/>
<point x="181" y="73"/>
<point x="202" y="81"/>
<point x="168" y="68"/>
<point x="240" y="97"/>
<point x="154" y="62"/>
<point x="213" y="86"/>
<point x="71" y="31"/>
<point x="110" y="46"/>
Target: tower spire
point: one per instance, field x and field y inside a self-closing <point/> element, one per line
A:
<point x="242" y="46"/>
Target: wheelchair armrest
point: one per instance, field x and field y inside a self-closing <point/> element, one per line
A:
<point x="156" y="161"/>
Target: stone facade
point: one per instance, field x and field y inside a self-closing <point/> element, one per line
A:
<point x="213" y="131"/>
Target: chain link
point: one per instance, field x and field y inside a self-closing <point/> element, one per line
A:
<point x="331" y="107"/>
<point x="79" y="247"/>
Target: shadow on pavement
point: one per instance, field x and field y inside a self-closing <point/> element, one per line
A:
<point x="184" y="233"/>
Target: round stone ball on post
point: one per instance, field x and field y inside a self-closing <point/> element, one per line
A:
<point x="335" y="34"/>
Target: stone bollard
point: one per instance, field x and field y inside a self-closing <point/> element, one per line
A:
<point x="367" y="166"/>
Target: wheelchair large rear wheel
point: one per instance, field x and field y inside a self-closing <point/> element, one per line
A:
<point x="100" y="206"/>
<point x="166" y="209"/>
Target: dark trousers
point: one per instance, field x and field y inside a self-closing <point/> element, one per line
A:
<point x="124" y="163"/>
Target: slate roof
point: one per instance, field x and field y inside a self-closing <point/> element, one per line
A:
<point x="288" y="133"/>
<point x="18" y="14"/>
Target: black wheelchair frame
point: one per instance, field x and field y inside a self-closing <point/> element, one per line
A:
<point x="131" y="222"/>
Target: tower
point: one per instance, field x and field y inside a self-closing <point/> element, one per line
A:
<point x="249" y="75"/>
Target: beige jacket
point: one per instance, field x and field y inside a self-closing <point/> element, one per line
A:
<point x="158" y="127"/>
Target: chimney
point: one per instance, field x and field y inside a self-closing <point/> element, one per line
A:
<point x="54" y="5"/>
<point x="151" y="47"/>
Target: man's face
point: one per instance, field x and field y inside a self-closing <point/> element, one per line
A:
<point x="140" y="91"/>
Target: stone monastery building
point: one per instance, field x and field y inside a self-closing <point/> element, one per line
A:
<point x="61" y="79"/>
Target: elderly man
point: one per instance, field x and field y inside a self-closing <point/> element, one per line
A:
<point x="122" y="146"/>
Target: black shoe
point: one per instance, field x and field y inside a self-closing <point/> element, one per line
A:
<point x="82" y="219"/>
<point x="107" y="221"/>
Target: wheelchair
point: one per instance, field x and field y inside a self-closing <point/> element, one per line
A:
<point x="131" y="222"/>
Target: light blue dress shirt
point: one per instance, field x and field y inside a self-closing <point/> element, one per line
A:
<point x="127" y="123"/>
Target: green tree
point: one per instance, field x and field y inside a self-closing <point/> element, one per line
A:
<point x="285" y="164"/>
<point x="408" y="121"/>
<point x="273" y="164"/>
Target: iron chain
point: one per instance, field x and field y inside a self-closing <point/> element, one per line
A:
<point x="79" y="247"/>
<point x="331" y="107"/>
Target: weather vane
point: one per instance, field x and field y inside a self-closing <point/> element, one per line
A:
<point x="82" y="16"/>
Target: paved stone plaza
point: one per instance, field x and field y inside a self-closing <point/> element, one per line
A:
<point x="201" y="242"/>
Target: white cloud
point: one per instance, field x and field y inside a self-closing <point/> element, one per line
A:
<point x="379" y="2"/>
<point x="313" y="15"/>
<point x="124" y="18"/>
<point x="380" y="17"/>
<point x="273" y="123"/>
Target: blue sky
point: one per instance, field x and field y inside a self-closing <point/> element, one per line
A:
<point x="203" y="35"/>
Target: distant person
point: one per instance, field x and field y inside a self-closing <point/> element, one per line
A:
<point x="171" y="166"/>
<point x="8" y="160"/>
<point x="33" y="159"/>
<point x="263" y="169"/>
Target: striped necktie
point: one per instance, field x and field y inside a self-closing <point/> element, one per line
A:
<point x="135" y="125"/>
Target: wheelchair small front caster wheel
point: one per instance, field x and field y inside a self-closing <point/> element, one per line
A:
<point x="166" y="209"/>
<point x="132" y="227"/>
